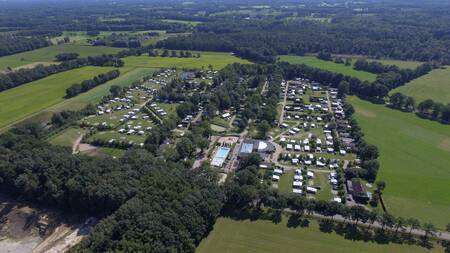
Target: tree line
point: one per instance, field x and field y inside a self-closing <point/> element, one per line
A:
<point x="22" y="76"/>
<point x="12" y="44"/>
<point x="428" y="108"/>
<point x="86" y="85"/>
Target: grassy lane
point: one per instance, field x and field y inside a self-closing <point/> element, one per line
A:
<point x="25" y="100"/>
<point x="414" y="159"/>
<point x="231" y="236"/>
<point x="435" y="85"/>
<point x="328" y="65"/>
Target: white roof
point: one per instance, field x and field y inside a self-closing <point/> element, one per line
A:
<point x="297" y="183"/>
<point x="299" y="191"/>
<point x="276" y="177"/>
<point x="311" y="189"/>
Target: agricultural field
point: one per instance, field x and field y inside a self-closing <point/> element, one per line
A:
<point x="435" y="85"/>
<point x="414" y="161"/>
<point x="28" y="99"/>
<point x="328" y="65"/>
<point x="265" y="237"/>
<point x="187" y="22"/>
<point x="47" y="55"/>
<point x="216" y="60"/>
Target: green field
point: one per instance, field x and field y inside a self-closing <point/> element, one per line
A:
<point x="187" y="22"/>
<point x="67" y="137"/>
<point x="94" y="96"/>
<point x="30" y="98"/>
<point x="217" y="60"/>
<point x="414" y="160"/>
<point x="328" y="65"/>
<point x="47" y="54"/>
<point x="399" y="63"/>
<point x="435" y="85"/>
<point x="231" y="236"/>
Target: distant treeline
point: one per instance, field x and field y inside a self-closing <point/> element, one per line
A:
<point x="13" y="79"/>
<point x="86" y="85"/>
<point x="376" y="90"/>
<point x="10" y="44"/>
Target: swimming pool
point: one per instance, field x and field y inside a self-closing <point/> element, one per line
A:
<point x="220" y="156"/>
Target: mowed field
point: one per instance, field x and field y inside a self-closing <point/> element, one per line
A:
<point x="435" y="85"/>
<point x="328" y="65"/>
<point x="217" y="60"/>
<point x="414" y="160"/>
<point x="25" y="100"/>
<point x="231" y="236"/>
<point x="47" y="54"/>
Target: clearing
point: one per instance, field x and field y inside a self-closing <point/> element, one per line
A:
<point x="435" y="85"/>
<point x="47" y="54"/>
<point x="414" y="160"/>
<point x="329" y="65"/>
<point x="215" y="59"/>
<point x="263" y="236"/>
<point x="33" y="97"/>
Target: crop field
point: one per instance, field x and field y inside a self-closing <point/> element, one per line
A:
<point x="231" y="236"/>
<point x="414" y="161"/>
<point x="47" y="54"/>
<point x="435" y="85"/>
<point x="31" y="98"/>
<point x="328" y="65"/>
<point x="217" y="60"/>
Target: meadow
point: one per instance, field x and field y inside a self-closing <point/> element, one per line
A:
<point x="30" y="98"/>
<point x="435" y="85"/>
<point x="47" y="54"/>
<point x="217" y="60"/>
<point x="329" y="65"/>
<point x="67" y="137"/>
<point x="266" y="237"/>
<point x="187" y="22"/>
<point x="414" y="161"/>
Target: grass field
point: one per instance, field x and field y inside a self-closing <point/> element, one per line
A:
<point x="414" y="159"/>
<point x="435" y="85"/>
<point x="217" y="60"/>
<point x="33" y="97"/>
<point x="231" y="236"/>
<point x="67" y="137"/>
<point x="127" y="77"/>
<point x="187" y="22"/>
<point x="47" y="54"/>
<point x="328" y="65"/>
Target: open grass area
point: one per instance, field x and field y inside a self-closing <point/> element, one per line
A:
<point x="217" y="60"/>
<point x="187" y="22"/>
<point x="231" y="236"/>
<point x="285" y="183"/>
<point x="414" y="160"/>
<point x="25" y="100"/>
<point x="435" y="85"/>
<point x="67" y="137"/>
<point x="321" y="180"/>
<point x="47" y="54"/>
<point x="328" y="65"/>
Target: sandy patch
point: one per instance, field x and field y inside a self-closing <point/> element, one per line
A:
<point x="444" y="144"/>
<point x="365" y="113"/>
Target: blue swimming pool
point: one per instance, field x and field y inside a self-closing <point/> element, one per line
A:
<point x="223" y="152"/>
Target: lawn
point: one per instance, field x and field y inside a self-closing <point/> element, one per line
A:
<point x="328" y="65"/>
<point x="414" y="160"/>
<point x="67" y="137"/>
<point x="321" y="180"/>
<point x="286" y="180"/>
<point x="435" y="85"/>
<point x="231" y="236"/>
<point x="47" y="54"/>
<point x="31" y="98"/>
<point x="217" y="60"/>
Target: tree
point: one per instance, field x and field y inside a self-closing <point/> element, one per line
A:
<point x="115" y="90"/>
<point x="263" y="129"/>
<point x="429" y="229"/>
<point x="185" y="147"/>
<point x="343" y="88"/>
<point x="413" y="223"/>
